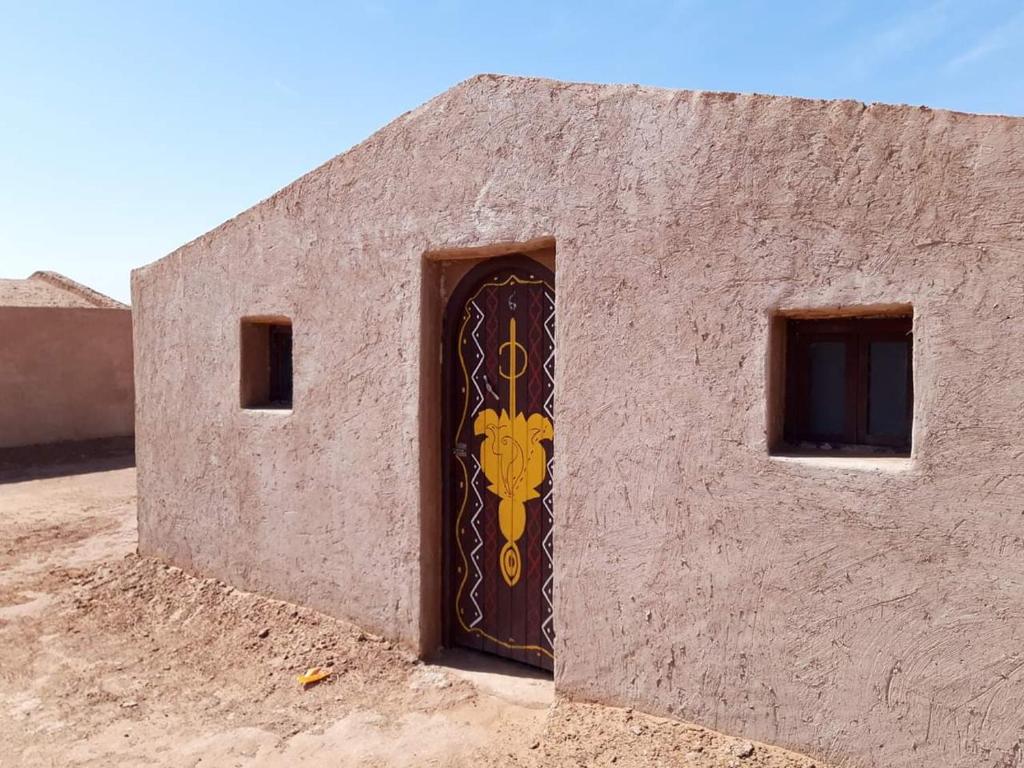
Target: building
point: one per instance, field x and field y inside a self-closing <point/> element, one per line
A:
<point x="65" y="363"/>
<point x="778" y="488"/>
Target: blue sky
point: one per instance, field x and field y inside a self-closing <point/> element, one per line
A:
<point x="127" y="129"/>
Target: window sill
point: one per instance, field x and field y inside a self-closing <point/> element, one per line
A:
<point x="891" y="464"/>
<point x="267" y="409"/>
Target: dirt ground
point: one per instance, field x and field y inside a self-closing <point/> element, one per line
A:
<point x="109" y="659"/>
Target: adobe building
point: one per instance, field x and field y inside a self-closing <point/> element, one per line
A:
<point x="65" y="363"/>
<point x="712" y="403"/>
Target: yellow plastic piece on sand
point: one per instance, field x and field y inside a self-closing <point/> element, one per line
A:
<point x="313" y="675"/>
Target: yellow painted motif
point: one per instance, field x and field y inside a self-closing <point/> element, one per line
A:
<point x="512" y="458"/>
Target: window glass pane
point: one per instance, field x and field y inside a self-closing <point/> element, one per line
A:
<point x="887" y="388"/>
<point x="827" y="384"/>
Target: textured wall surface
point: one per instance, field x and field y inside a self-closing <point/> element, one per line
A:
<point x="65" y="374"/>
<point x="852" y="609"/>
<point x="52" y="289"/>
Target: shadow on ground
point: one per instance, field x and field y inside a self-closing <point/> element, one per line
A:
<point x="508" y="680"/>
<point x="34" y="462"/>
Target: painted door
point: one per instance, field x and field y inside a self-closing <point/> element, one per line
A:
<point x="500" y="366"/>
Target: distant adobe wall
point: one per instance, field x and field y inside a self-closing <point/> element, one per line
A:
<point x="65" y="374"/>
<point x="860" y="612"/>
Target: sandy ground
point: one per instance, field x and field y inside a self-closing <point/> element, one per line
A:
<point x="108" y="659"/>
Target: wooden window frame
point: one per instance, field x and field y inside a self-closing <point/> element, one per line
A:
<point x="280" y="365"/>
<point x="266" y="382"/>
<point x="857" y="334"/>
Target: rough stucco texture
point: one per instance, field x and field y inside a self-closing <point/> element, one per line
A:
<point x="852" y="612"/>
<point x="65" y="374"/>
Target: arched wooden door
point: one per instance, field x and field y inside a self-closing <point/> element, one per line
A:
<point x="499" y="427"/>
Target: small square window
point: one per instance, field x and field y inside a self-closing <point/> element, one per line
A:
<point x="849" y="384"/>
<point x="266" y="363"/>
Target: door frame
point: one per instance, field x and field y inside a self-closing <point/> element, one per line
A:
<point x="449" y="331"/>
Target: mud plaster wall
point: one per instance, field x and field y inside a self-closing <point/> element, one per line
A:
<point x="865" y="611"/>
<point x="65" y="374"/>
